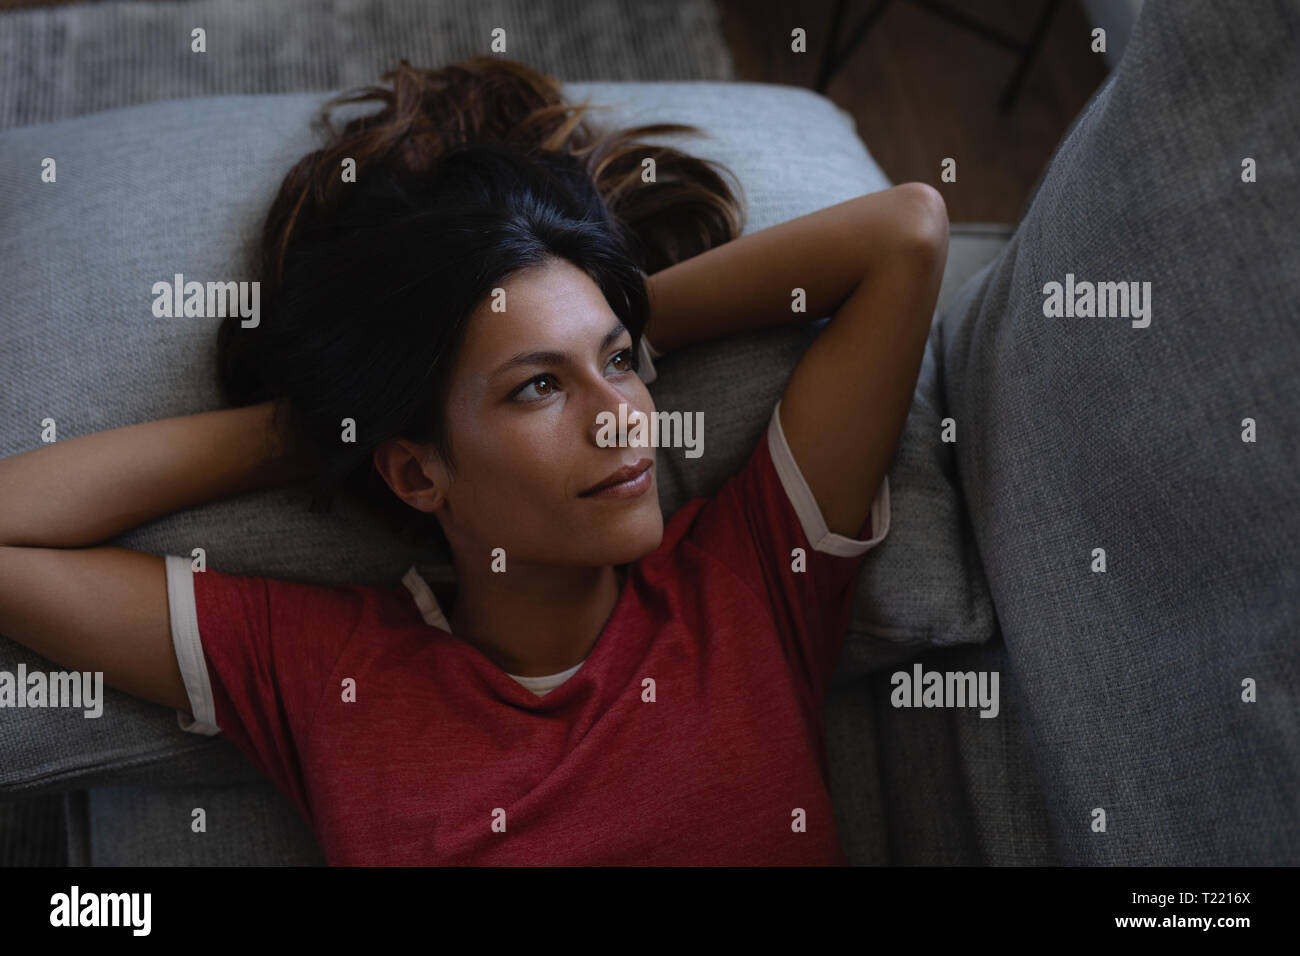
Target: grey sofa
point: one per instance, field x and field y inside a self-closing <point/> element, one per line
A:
<point x="1122" y="734"/>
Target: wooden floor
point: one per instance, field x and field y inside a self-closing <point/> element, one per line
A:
<point x="922" y="89"/>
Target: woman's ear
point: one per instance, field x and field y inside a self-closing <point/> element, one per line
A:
<point x="414" y="472"/>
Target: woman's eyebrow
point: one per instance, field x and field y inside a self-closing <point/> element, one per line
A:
<point x="557" y="358"/>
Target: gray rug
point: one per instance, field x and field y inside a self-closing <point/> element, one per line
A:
<point x="62" y="62"/>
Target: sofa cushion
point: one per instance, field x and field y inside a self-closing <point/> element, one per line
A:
<point x="173" y="187"/>
<point x="246" y="825"/>
<point x="925" y="589"/>
<point x="1079" y="434"/>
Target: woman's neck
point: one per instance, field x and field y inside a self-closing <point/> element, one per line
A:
<point x="535" y="620"/>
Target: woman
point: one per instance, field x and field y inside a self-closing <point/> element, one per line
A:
<point x="442" y="334"/>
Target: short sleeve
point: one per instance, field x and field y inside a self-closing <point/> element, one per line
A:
<point x="255" y="654"/>
<point x="754" y="524"/>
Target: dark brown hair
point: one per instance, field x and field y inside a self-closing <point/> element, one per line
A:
<point x="465" y="175"/>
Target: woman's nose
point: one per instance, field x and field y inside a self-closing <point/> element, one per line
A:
<point x="615" y="415"/>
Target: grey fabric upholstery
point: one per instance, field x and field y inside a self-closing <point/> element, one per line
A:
<point x="1080" y="433"/>
<point x="64" y="60"/>
<point x="247" y="825"/>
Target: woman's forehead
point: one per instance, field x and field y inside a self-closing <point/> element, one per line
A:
<point x="552" y="308"/>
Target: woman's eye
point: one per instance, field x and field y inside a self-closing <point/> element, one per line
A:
<point x="627" y="357"/>
<point x="537" y="392"/>
<point x="523" y="390"/>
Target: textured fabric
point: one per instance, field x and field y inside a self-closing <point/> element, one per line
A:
<point x="1089" y="432"/>
<point x="691" y="735"/>
<point x="64" y="61"/>
<point x="31" y="832"/>
<point x="949" y="788"/>
<point x="247" y="825"/>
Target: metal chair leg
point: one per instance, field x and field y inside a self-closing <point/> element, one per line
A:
<point x="1017" y="81"/>
<point x="833" y="59"/>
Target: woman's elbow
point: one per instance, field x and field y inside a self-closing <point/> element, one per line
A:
<point x="926" y="228"/>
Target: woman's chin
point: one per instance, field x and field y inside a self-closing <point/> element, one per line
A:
<point x="633" y="540"/>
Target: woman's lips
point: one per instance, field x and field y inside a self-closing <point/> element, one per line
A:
<point x="631" y="488"/>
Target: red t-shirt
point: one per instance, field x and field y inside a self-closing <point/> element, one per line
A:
<point x="444" y="758"/>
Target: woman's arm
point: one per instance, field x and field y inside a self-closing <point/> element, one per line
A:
<point x="747" y="283"/>
<point x="84" y="490"/>
<point x="875" y="263"/>
<point x="105" y="608"/>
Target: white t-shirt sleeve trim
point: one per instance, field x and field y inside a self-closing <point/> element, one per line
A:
<point x="805" y="505"/>
<point x="647" y="354"/>
<point x="189" y="649"/>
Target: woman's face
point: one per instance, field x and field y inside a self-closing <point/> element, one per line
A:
<point x="524" y="429"/>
